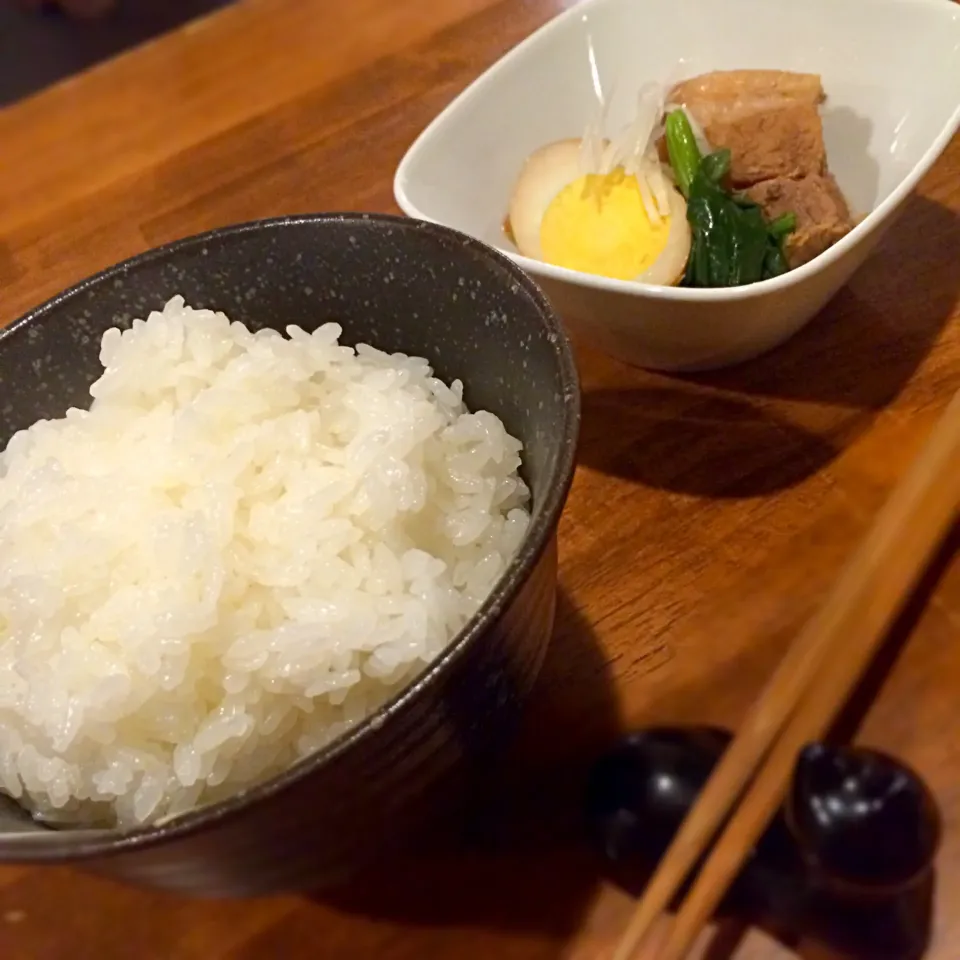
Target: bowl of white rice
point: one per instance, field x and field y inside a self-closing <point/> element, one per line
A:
<point x="278" y="512"/>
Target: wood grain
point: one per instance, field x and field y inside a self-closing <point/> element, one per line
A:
<point x="708" y="517"/>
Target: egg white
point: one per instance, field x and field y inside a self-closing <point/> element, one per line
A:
<point x="551" y="169"/>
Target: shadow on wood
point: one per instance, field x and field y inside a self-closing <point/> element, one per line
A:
<point x="862" y="349"/>
<point x="687" y="441"/>
<point x="523" y="862"/>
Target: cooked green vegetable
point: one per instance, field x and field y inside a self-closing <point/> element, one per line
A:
<point x="683" y="150"/>
<point x="732" y="242"/>
<point x="784" y="224"/>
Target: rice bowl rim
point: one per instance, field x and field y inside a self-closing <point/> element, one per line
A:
<point x="83" y="843"/>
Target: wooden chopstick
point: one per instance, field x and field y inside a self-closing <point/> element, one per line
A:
<point x="846" y="631"/>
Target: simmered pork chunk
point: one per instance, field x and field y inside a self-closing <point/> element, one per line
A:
<point x="770" y="122"/>
<point x="821" y="212"/>
<point x="767" y="118"/>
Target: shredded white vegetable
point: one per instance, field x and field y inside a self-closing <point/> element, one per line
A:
<point x="593" y="145"/>
<point x="634" y="148"/>
<point x="698" y="133"/>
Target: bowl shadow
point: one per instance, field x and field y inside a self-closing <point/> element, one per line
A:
<point x="849" y="134"/>
<point x="683" y="440"/>
<point x="864" y="346"/>
<point x="524" y="863"/>
<point x="725" y="434"/>
<point x="524" y="832"/>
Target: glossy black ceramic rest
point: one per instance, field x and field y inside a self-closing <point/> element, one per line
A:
<point x="848" y="860"/>
<point x="401" y="285"/>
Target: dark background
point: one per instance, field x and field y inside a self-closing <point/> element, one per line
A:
<point x="38" y="49"/>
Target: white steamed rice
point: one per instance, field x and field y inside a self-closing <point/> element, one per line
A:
<point x="243" y="548"/>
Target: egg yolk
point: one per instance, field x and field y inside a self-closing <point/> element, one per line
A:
<point x="598" y="224"/>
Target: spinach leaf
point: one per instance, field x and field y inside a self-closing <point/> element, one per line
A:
<point x="682" y="149"/>
<point x="732" y="242"/>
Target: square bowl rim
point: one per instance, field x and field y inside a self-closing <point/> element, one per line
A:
<point x="541" y="37"/>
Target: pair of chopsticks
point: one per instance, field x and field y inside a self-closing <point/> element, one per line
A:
<point x="805" y="695"/>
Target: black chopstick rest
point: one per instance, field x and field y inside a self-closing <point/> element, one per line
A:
<point x="848" y="860"/>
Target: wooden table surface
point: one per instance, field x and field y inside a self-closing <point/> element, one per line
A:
<point x="707" y="519"/>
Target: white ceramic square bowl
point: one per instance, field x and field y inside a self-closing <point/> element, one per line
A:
<point x="891" y="69"/>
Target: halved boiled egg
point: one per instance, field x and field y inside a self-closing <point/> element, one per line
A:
<point x="611" y="224"/>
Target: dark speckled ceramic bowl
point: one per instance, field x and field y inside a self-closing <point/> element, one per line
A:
<point x="400" y="285"/>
